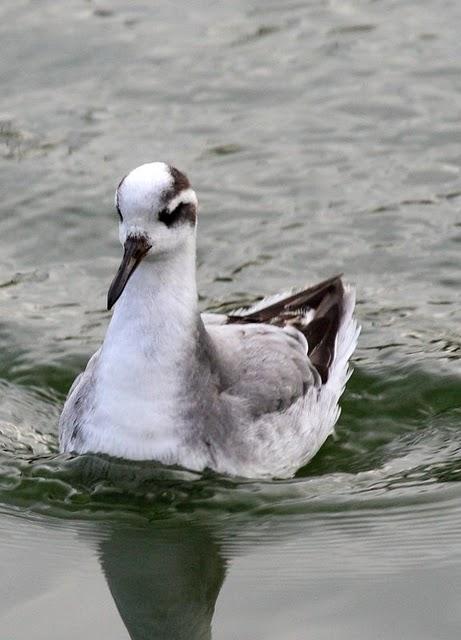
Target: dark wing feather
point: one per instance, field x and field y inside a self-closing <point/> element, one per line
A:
<point x="326" y="299"/>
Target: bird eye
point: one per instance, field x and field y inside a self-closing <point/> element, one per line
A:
<point x="185" y="212"/>
<point x="164" y="215"/>
<point x="170" y="217"/>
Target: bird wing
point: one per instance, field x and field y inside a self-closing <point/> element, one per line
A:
<point x="274" y="351"/>
<point x="79" y="400"/>
<point x="265" y="366"/>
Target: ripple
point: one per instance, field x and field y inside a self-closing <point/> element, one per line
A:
<point x="396" y="443"/>
<point x="324" y="136"/>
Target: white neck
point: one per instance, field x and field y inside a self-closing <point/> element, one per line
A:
<point x="150" y="342"/>
<point x="159" y="303"/>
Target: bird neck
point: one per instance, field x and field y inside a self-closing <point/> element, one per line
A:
<point x="158" y="309"/>
<point x="148" y="357"/>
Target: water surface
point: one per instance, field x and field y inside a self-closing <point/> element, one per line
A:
<point x="321" y="137"/>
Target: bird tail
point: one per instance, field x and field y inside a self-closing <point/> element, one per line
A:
<point x="345" y="343"/>
<point x="324" y="314"/>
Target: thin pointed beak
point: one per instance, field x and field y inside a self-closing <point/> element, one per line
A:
<point x="135" y="249"/>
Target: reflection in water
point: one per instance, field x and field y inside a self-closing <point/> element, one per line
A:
<point x="383" y="497"/>
<point x="165" y="579"/>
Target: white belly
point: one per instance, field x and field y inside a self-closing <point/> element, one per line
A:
<point x="138" y="416"/>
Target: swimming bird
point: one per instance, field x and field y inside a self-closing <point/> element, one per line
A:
<point x="253" y="393"/>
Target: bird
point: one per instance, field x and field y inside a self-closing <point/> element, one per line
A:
<point x="252" y="393"/>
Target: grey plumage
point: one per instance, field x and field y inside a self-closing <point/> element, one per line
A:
<point x="254" y="393"/>
<point x="244" y="386"/>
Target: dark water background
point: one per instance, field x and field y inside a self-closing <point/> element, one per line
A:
<point x="322" y="136"/>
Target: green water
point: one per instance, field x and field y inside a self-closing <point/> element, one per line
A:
<point x="321" y="137"/>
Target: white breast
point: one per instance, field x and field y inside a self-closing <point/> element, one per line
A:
<point x="137" y="410"/>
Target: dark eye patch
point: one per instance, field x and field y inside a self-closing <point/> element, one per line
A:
<point x="184" y="212"/>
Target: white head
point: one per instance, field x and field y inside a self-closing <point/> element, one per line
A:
<point x="158" y="212"/>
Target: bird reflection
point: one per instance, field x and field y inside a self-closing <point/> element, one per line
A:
<point x="164" y="578"/>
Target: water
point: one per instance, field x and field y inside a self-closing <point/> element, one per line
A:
<point x="322" y="137"/>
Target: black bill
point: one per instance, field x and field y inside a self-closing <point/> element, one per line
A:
<point x="136" y="248"/>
